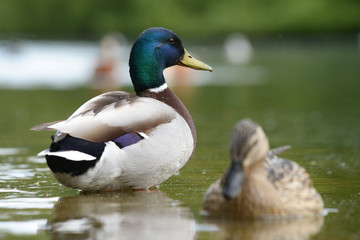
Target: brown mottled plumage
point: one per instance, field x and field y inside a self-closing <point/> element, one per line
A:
<point x="258" y="184"/>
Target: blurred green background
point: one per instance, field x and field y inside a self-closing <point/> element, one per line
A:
<point x="300" y="81"/>
<point x="203" y="18"/>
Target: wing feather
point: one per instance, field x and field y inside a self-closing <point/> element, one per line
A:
<point x="290" y="178"/>
<point x="112" y="114"/>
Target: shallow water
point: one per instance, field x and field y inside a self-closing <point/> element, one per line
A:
<point x="305" y="94"/>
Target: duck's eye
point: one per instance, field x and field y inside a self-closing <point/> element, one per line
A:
<point x="171" y="41"/>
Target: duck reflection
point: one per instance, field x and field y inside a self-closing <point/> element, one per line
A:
<point x="131" y="215"/>
<point x="270" y="230"/>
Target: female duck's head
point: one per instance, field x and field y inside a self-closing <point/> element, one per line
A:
<point x="154" y="50"/>
<point x="249" y="143"/>
<point x="249" y="146"/>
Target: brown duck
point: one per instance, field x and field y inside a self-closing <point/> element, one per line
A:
<point x="258" y="184"/>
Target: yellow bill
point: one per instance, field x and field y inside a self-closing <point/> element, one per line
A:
<point x="188" y="61"/>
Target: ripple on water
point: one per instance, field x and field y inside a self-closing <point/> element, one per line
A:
<point x="29" y="207"/>
<point x="28" y="203"/>
<point x="11" y="151"/>
<point x="36" y="159"/>
<point x="14" y="190"/>
<point x="23" y="227"/>
<point x="22" y="171"/>
<point x="330" y="210"/>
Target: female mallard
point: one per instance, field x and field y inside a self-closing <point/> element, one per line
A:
<point x="119" y="140"/>
<point x="258" y="184"/>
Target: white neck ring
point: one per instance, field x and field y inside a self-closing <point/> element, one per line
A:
<point x="159" y="89"/>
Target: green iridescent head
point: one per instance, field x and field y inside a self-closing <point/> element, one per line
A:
<point x="154" y="50"/>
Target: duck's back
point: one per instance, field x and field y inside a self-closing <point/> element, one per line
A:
<point x="294" y="186"/>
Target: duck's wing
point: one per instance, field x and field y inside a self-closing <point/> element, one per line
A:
<point x="277" y="168"/>
<point x="282" y="172"/>
<point x="111" y="115"/>
<point x="290" y="179"/>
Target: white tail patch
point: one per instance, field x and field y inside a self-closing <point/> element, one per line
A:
<point x="43" y="153"/>
<point x="143" y="135"/>
<point x="70" y="155"/>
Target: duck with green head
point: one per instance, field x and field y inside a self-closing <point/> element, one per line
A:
<point x="120" y="140"/>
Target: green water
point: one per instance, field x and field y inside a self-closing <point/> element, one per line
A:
<point x="303" y="94"/>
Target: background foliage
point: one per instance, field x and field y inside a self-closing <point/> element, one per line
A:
<point x="201" y="18"/>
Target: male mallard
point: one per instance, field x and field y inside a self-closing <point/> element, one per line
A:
<point x="119" y="140"/>
<point x="258" y="184"/>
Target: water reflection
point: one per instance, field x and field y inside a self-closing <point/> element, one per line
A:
<point x="134" y="215"/>
<point x="27" y="203"/>
<point x="270" y="230"/>
<point x="10" y="172"/>
<point x="29" y="227"/>
<point x="23" y="215"/>
<point x="11" y="151"/>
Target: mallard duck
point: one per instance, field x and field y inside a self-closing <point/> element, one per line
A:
<point x="120" y="140"/>
<point x="258" y="184"/>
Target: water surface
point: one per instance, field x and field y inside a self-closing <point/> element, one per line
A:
<point x="304" y="93"/>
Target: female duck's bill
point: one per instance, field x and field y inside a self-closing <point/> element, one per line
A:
<point x="258" y="184"/>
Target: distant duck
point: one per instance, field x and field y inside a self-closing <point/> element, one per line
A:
<point x="238" y="48"/>
<point x="108" y="61"/>
<point x="119" y="140"/>
<point x="259" y="185"/>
